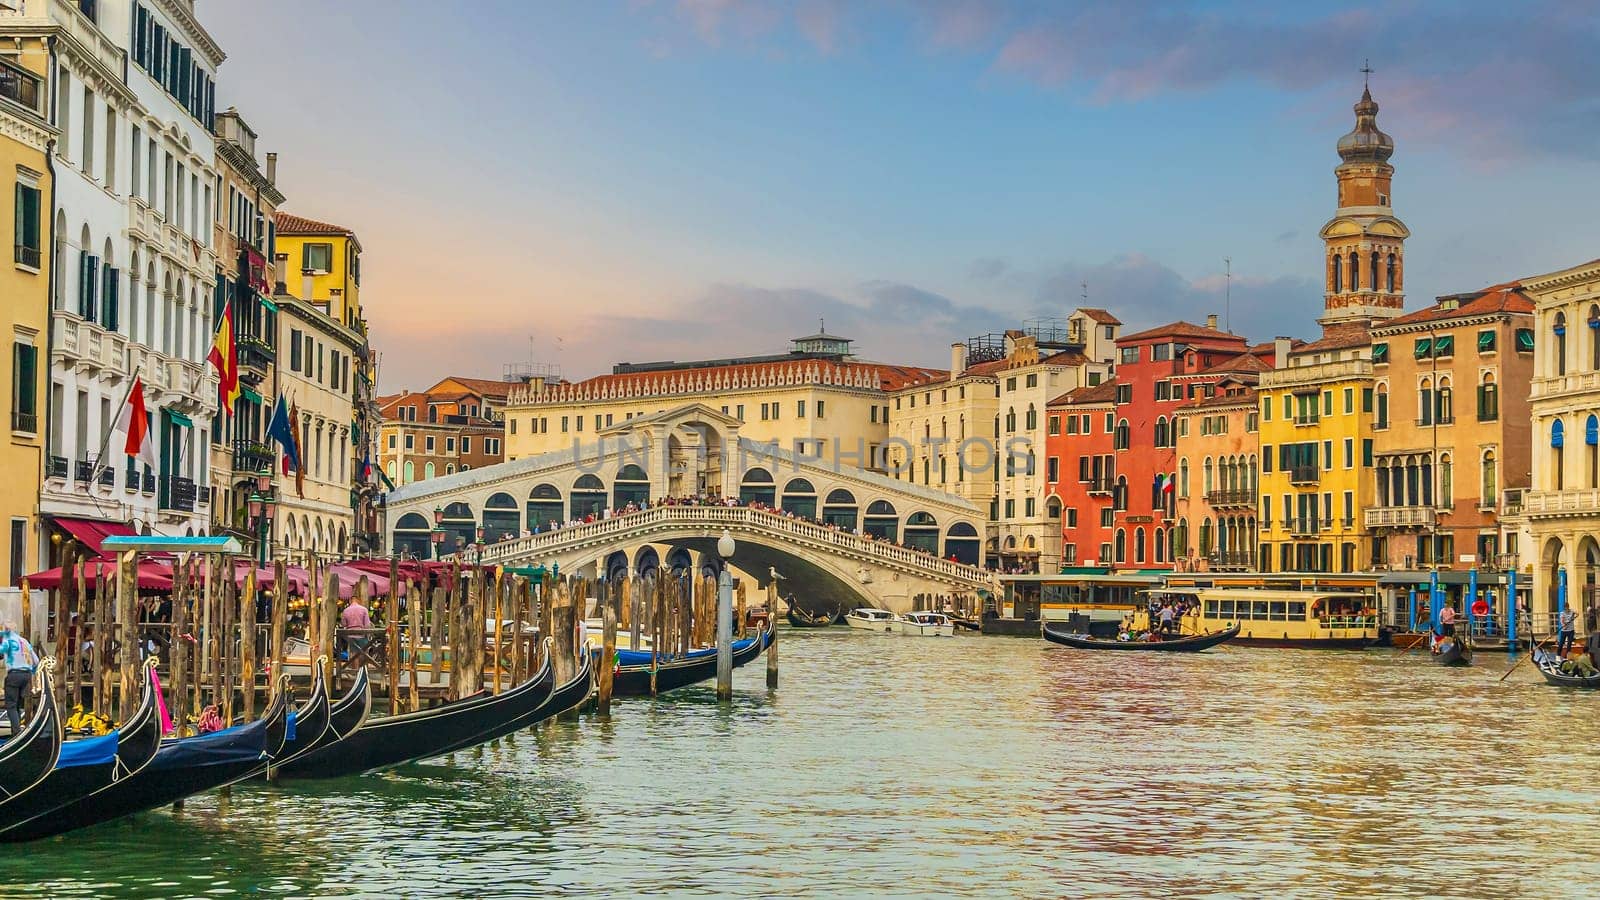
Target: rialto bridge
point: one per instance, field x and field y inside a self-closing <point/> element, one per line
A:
<point x="839" y="536"/>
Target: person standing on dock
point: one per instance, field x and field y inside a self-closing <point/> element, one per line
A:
<point x="20" y="662"/>
<point x="356" y="616"/>
<point x="1566" y="626"/>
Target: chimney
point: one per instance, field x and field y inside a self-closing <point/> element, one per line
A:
<point x="1280" y="353"/>
<point x="272" y="168"/>
<point x="1211" y="321"/>
<point x="307" y="277"/>
<point x="958" y="360"/>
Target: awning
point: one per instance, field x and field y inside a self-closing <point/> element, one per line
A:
<point x="152" y="575"/>
<point x="1422" y="578"/>
<point x="250" y="395"/>
<point x="90" y="532"/>
<point x="269" y="304"/>
<point x="178" y="418"/>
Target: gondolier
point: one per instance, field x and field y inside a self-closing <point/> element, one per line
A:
<point x="1565" y="631"/>
<point x="20" y="661"/>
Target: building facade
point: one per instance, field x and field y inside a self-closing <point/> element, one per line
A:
<point x="25" y="136"/>
<point x="1449" y="445"/>
<point x="1080" y="435"/>
<point x="1563" y="507"/>
<point x="1219" y="473"/>
<point x="132" y="257"/>
<point x="455" y="426"/>
<point x="321" y="263"/>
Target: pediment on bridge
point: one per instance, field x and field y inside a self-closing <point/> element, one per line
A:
<point x="687" y="414"/>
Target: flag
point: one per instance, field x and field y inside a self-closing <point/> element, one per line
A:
<point x="384" y="477"/>
<point x="299" y="452"/>
<point x="1165" y="481"/>
<point x="134" y="422"/>
<point x="281" y="429"/>
<point x="224" y="356"/>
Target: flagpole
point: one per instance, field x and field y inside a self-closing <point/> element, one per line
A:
<point x="105" y="442"/>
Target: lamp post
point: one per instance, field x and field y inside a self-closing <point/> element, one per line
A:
<point x="262" y="502"/>
<point x="438" y="532"/>
<point x="725" y="548"/>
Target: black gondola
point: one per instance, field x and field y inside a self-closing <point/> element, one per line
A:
<point x="634" y="681"/>
<point x="310" y="723"/>
<point x="89" y="765"/>
<point x="1056" y="634"/>
<point x="180" y="768"/>
<point x="799" y="618"/>
<point x="422" y="734"/>
<point x="29" y="756"/>
<point x="1457" y="653"/>
<point x="563" y="698"/>
<point x="350" y="713"/>
<point x="1550" y="668"/>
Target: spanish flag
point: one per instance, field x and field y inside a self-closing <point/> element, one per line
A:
<point x="225" y="356"/>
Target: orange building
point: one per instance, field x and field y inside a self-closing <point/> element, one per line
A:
<point x="456" y="425"/>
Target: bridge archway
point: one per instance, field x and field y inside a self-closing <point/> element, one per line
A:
<point x="840" y="510"/>
<point x="646" y="562"/>
<point x="961" y="543"/>
<point x="922" y="532"/>
<point x="460" y="527"/>
<point x="800" y="498"/>
<point x="632" y="485"/>
<point x="757" y="486"/>
<point x="500" y="518"/>
<point x="680" y="562"/>
<point x="412" y="535"/>
<point x="616" y="567"/>
<point x="588" y="496"/>
<point x="545" y="507"/>
<point x="881" y="521"/>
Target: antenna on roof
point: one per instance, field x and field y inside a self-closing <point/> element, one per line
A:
<point x="822" y="325"/>
<point x="1227" y="293"/>
<point x="1085" y="295"/>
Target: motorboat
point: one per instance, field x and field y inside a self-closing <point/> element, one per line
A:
<point x="868" y="619"/>
<point x="926" y="624"/>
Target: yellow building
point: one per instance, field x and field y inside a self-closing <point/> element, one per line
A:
<point x="1317" y="404"/>
<point x="1563" y="508"/>
<point x="24" y="294"/>
<point x="817" y="401"/>
<point x="321" y="262"/>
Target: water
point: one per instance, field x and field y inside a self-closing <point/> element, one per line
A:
<point x="959" y="766"/>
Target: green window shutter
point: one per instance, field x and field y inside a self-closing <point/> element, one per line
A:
<point x="1366" y="400"/>
<point x="1485" y="341"/>
<point x="1445" y="345"/>
<point x="1366" y="452"/>
<point x="1424" y="347"/>
<point x="1524" y="340"/>
<point x="1380" y="353"/>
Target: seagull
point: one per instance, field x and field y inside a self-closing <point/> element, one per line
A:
<point x="772" y="571"/>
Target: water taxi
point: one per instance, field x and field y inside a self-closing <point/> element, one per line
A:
<point x="1309" y="619"/>
<point x="868" y="619"/>
<point x="926" y="624"/>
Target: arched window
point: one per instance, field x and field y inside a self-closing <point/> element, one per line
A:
<point x="588" y="496"/>
<point x="1122" y="546"/>
<point x="1205" y="536"/>
<point x="1372" y="274"/>
<point x="1159" y="544"/>
<point x="1488" y="399"/>
<point x="1138" y="545"/>
<point x="1594" y="337"/>
<point x="632" y="485"/>
<point x="1032" y="418"/>
<point x="1119" y="498"/>
<point x="1381" y="417"/>
<point x="427" y="468"/>
<point x="1560" y="330"/>
<point x="1337" y="266"/>
<point x="758" y="486"/>
<point x="1557" y="459"/>
<point x="922" y="532"/>
<point x="1425" y="402"/>
<point x="1161" y="431"/>
<point x="500" y="517"/>
<point x="1591" y="448"/>
<point x="1122" y="434"/>
<point x="1446" y="401"/>
<point x="1390" y="281"/>
<point x="1447" y="488"/>
<point x="411" y="472"/>
<point x="839" y="509"/>
<point x="1180" y="539"/>
<point x="1052" y="507"/>
<point x="800" y="498"/>
<point x="1011" y="419"/>
<point x="881" y="520"/>
<point x="1183" y="478"/>
<point x="1355" y="271"/>
<point x="1491" y="480"/>
<point x="545" y="507"/>
<point x="1206" y="476"/>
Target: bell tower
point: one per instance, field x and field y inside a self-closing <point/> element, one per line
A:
<point x="1364" y="260"/>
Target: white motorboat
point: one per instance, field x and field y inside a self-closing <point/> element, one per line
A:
<point x="868" y="619"/>
<point x="926" y="624"/>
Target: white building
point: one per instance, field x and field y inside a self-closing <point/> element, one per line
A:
<point x="132" y="96"/>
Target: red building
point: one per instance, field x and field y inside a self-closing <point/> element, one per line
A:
<point x="1078" y="443"/>
<point x="1158" y="370"/>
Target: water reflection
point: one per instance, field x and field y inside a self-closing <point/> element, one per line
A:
<point x="964" y="767"/>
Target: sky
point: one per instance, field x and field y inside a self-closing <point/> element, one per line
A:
<point x="579" y="184"/>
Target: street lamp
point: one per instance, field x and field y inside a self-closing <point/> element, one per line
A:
<point x="725" y="549"/>
<point x="438" y="541"/>
<point x="261" y="504"/>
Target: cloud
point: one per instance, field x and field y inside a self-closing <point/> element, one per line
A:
<point x="988" y="268"/>
<point x="1499" y="81"/>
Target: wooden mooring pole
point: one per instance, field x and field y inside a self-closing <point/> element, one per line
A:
<point x="772" y="648"/>
<point x="608" y="642"/>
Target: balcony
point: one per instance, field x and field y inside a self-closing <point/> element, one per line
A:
<point x="1306" y="526"/>
<point x="1219" y="499"/>
<point x="86" y="346"/>
<point x="1237" y="560"/>
<point x="55" y="467"/>
<point x="25" y="423"/>
<point x="1307" y="420"/>
<point x="83" y="471"/>
<point x="178" y="493"/>
<point x="147" y="483"/>
<point x="255" y="356"/>
<point x="1512" y="503"/>
<point x="108" y="476"/>
<point x="1558" y="385"/>
<point x="1550" y="504"/>
<point x="252" y="456"/>
<point x="1100" y="486"/>
<point x="1300" y="376"/>
<point x="1400" y="517"/>
<point x="143" y="221"/>
<point x="1425" y="422"/>
<point x="1302" y="474"/>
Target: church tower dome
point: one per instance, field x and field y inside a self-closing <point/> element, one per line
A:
<point x="1364" y="263"/>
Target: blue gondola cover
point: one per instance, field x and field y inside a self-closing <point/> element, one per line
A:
<point x="642" y="657"/>
<point x="240" y="743"/>
<point x="93" y="751"/>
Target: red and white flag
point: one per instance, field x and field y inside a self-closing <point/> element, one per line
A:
<point x="134" y="422"/>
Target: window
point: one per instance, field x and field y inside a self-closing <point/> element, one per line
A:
<point x="1032" y="380"/>
<point x="1122" y="435"/>
<point x="1380" y="354"/>
<point x="1160" y="352"/>
<point x="1423" y="347"/>
<point x="1559" y="330"/>
<point x="1124" y="393"/>
<point x="411" y="441"/>
<point x="1488" y="399"/>
<point x="1524" y="340"/>
<point x="1349" y="401"/>
<point x="1129" y="355"/>
<point x="317" y="257"/>
<point x="820" y="408"/>
<point x="428" y="444"/>
<point x="1011" y="385"/>
<point x="800" y="409"/>
<point x="1055" y="425"/>
<point x="1490" y="479"/>
<point x="449" y="445"/>
<point x="466" y="443"/>
<point x="1486" y="341"/>
<point x="24" y="386"/>
<point x="391" y="442"/>
<point x="27" y="243"/>
<point x="1444" y="345"/>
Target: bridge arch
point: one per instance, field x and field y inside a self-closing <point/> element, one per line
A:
<point x="757" y="486"/>
<point x="647" y="562"/>
<point x="922" y="532"/>
<point x="631" y="485"/>
<point x="500" y="518"/>
<point x="680" y="562"/>
<point x="881" y="521"/>
<point x="840" y="510"/>
<point x="588" y="496"/>
<point x="545" y="507"/>
<point x="800" y="498"/>
<point x="460" y="526"/>
<point x="412" y="534"/>
<point x="616" y="567"/>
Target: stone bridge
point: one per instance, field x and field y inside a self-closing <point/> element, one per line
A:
<point x="845" y="536"/>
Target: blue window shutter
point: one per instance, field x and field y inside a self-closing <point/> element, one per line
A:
<point x="1591" y="431"/>
<point x="1556" y="433"/>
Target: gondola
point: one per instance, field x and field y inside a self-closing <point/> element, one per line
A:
<point x="88" y="766"/>
<point x="422" y="734"/>
<point x="29" y="756"/>
<point x="181" y="767"/>
<point x="799" y="618"/>
<point x="563" y="698"/>
<point x="1459" y="653"/>
<point x="308" y="724"/>
<point x="634" y="680"/>
<point x="1057" y="634"/>
<point x="1550" y="668"/>
<point x="350" y="713"/>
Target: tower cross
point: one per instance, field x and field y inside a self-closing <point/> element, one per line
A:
<point x="1366" y="73"/>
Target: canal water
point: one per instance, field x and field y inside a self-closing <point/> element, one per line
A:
<point x="963" y="766"/>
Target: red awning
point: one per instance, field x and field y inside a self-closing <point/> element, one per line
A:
<point x="151" y="575"/>
<point x="90" y="532"/>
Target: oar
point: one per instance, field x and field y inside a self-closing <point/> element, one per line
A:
<point x="1519" y="662"/>
<point x="1414" y="644"/>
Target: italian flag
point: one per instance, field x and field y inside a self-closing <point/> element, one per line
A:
<point x="134" y="421"/>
